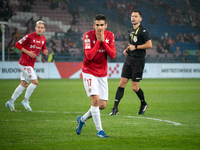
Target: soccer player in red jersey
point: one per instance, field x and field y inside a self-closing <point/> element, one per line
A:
<point x="30" y="45"/>
<point x="97" y="44"/>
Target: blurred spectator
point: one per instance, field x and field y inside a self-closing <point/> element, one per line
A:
<point x="186" y="39"/>
<point x="50" y="42"/>
<point x="177" y="52"/>
<point x="40" y="58"/>
<point x="171" y="42"/>
<point x="51" y="57"/>
<point x="179" y="38"/>
<point x="3" y="14"/>
<point x="70" y="30"/>
<point x="25" y="6"/>
<point x="40" y="18"/>
<point x="53" y="4"/>
<point x="191" y="37"/>
<point x="65" y="44"/>
<point x="74" y="14"/>
<point x="71" y="44"/>
<point x="153" y="20"/>
<point x="30" y="24"/>
<point x="118" y="34"/>
<point x="54" y="48"/>
<point x="160" y="49"/>
<point x="75" y="20"/>
<point x="15" y="35"/>
<point x="197" y="38"/>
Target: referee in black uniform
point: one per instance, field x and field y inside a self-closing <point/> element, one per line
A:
<point x="134" y="64"/>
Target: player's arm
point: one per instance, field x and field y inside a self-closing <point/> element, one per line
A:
<point x="44" y="49"/>
<point x="110" y="48"/>
<point x="90" y="51"/>
<point x="19" y="45"/>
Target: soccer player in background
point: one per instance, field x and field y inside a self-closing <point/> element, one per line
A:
<point x="97" y="44"/>
<point x="139" y="41"/>
<point x="30" y="45"/>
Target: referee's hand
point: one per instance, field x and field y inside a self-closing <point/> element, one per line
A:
<point x="125" y="52"/>
<point x="131" y="47"/>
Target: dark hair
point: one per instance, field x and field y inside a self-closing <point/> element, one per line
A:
<point x="138" y="12"/>
<point x="100" y="17"/>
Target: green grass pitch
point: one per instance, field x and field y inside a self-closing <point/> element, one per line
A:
<point x="172" y="121"/>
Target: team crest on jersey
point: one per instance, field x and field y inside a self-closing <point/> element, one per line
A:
<point x="89" y="89"/>
<point x="30" y="76"/>
<point x="135" y="38"/>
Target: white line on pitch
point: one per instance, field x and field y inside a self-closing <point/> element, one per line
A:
<point x="168" y="121"/>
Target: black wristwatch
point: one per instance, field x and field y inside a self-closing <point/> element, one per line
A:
<point x="135" y="46"/>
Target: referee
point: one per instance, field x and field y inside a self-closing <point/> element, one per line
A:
<point x="134" y="64"/>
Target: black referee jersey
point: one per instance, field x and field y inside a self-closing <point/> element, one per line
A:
<point x="138" y="36"/>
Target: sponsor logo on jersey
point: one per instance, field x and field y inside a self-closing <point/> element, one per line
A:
<point x="32" y="46"/>
<point x="101" y="50"/>
<point x="22" y="40"/>
<point x="87" y="46"/>
<point x="42" y="42"/>
<point x="37" y="41"/>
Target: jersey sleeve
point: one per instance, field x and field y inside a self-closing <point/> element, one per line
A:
<point x="110" y="47"/>
<point x="145" y="35"/>
<point x="23" y="41"/>
<point x="89" y="51"/>
<point x="44" y="46"/>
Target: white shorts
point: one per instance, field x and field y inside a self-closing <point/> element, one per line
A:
<point x="27" y="73"/>
<point x="96" y="86"/>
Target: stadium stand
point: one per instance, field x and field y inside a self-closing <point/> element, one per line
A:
<point x="60" y="25"/>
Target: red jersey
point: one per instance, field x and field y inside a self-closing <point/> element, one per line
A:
<point x="31" y="42"/>
<point x="95" y="53"/>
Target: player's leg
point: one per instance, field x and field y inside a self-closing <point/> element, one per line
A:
<point x="18" y="91"/>
<point x="30" y="74"/>
<point x="102" y="101"/>
<point x="89" y="82"/>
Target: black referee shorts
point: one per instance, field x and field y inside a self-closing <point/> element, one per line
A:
<point x="133" y="68"/>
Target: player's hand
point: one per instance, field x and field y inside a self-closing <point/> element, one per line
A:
<point x="32" y="54"/>
<point x="131" y="47"/>
<point x="45" y="52"/>
<point x="100" y="35"/>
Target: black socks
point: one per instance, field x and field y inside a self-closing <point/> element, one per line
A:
<point x="118" y="96"/>
<point x="140" y="94"/>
